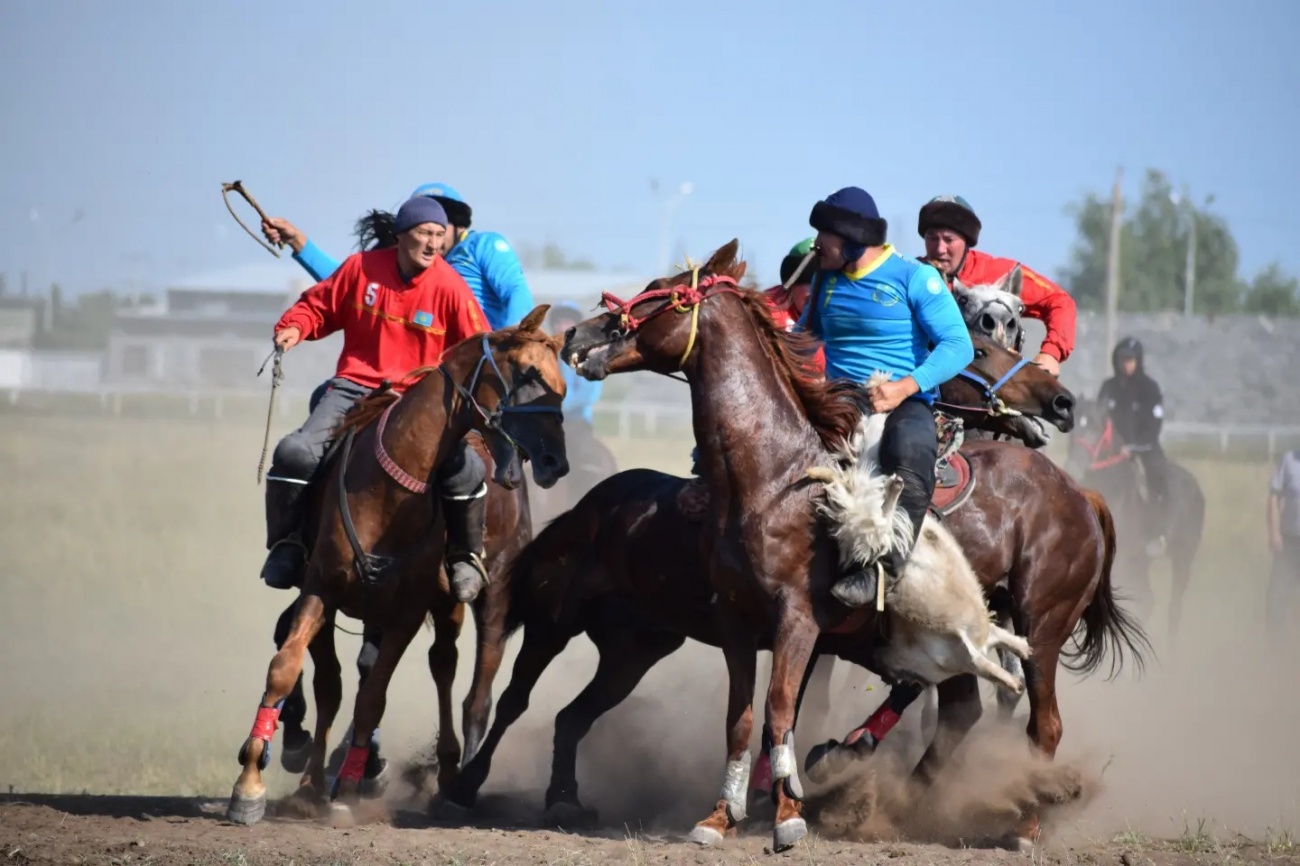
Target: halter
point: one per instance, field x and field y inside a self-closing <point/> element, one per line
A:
<point x="996" y="407"/>
<point x="492" y="419"/>
<point x="678" y="298"/>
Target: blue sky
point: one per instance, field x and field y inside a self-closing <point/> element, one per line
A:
<point x="120" y="120"/>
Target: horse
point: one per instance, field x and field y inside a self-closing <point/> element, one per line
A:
<point x="1099" y="460"/>
<point x="764" y="553"/>
<point x="590" y="461"/>
<point x="638" y="543"/>
<point x="378" y="543"/>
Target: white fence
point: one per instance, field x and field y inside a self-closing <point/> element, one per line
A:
<point x="622" y="419"/>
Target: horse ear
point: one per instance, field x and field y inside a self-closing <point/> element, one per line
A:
<point x="1013" y="281"/>
<point x="533" y="321"/>
<point x="722" y="261"/>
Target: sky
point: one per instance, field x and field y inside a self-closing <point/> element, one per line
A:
<point x="119" y="121"/>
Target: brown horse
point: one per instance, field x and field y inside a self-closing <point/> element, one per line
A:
<point x="1099" y="459"/>
<point x="379" y="537"/>
<point x="762" y="417"/>
<point x="628" y="531"/>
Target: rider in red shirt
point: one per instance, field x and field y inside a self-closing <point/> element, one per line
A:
<point x="951" y="231"/>
<point x="399" y="306"/>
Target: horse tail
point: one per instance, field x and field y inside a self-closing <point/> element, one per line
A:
<point x="374" y="231"/>
<point x="1106" y="625"/>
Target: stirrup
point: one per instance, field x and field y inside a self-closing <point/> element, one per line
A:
<point x="473" y="559"/>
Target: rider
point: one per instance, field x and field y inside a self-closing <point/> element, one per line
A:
<point x="399" y="307"/>
<point x="874" y="310"/>
<point x="484" y="259"/>
<point x="951" y="231"/>
<point x="1132" y="401"/>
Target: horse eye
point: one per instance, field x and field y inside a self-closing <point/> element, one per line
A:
<point x="981" y="353"/>
<point x="961" y="300"/>
<point x="1011" y="324"/>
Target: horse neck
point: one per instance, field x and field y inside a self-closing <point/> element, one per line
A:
<point x="426" y="424"/>
<point x="746" y="414"/>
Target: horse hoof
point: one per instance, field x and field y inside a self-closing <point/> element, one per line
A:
<point x="340" y="816"/>
<point x="705" y="835"/>
<point x="817" y="766"/>
<point x="374" y="786"/>
<point x="246" y="810"/>
<point x="1023" y="845"/>
<point x="787" y="833"/>
<point x="570" y="815"/>
<point x="294" y="757"/>
<point x="445" y="810"/>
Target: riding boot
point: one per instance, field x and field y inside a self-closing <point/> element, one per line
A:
<point x="284" y="507"/>
<point x="859" y="586"/>
<point x="466" y="526"/>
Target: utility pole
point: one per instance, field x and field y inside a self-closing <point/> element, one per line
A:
<point x="1189" y="280"/>
<point x="1112" y="265"/>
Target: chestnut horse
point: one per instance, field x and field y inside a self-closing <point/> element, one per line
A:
<point x="762" y="418"/>
<point x="1098" y="459"/>
<point x="997" y="392"/>
<point x="379" y="537"/>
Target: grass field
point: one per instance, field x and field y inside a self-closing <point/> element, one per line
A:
<point x="135" y="636"/>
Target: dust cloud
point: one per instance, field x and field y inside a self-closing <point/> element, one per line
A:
<point x="136" y="635"/>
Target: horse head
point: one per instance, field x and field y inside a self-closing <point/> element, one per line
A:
<point x="655" y="330"/>
<point x="1002" y="391"/>
<point x="516" y="386"/>
<point x="994" y="310"/>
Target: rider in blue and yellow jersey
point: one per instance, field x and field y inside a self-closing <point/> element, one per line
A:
<point x="483" y="259"/>
<point x="874" y="309"/>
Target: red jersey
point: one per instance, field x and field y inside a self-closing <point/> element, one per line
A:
<point x="389" y="327"/>
<point x="1044" y="300"/>
<point x="785" y="315"/>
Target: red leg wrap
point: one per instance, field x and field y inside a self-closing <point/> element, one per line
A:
<point x="265" y="723"/>
<point x="354" y="765"/>
<point x="880" y="723"/>
<point x="761" y="778"/>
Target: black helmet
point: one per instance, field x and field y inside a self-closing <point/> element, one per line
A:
<point x="1129" y="347"/>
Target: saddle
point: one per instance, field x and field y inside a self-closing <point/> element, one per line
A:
<point x="954" y="477"/>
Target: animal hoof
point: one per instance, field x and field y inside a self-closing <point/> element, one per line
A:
<point x="705" y="835"/>
<point x="295" y="752"/>
<point x="374" y="786"/>
<point x="570" y="815"/>
<point x="340" y="816"/>
<point x="246" y="810"/>
<point x="787" y="833"/>
<point x="818" y="764"/>
<point x="443" y="809"/>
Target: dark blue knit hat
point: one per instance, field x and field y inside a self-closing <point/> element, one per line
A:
<point x="850" y="213"/>
<point x="417" y="211"/>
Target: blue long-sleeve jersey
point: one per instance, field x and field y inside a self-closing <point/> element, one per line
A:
<point x="896" y="315"/>
<point x="483" y="259"/>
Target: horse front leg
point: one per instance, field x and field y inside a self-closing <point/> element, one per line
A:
<point x="1045" y="726"/>
<point x="371" y="701"/>
<point x="795" y="637"/>
<point x="490" y="629"/>
<point x="448" y="617"/>
<point x="741" y="654"/>
<point x="327" y="689"/>
<point x="248" y="799"/>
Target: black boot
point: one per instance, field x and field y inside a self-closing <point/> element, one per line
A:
<point x="283" y="566"/>
<point x="466" y="526"/>
<point x="859" y="586"/>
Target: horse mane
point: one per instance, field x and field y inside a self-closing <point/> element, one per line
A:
<point x="832" y="407"/>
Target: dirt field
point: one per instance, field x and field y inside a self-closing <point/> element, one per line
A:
<point x="135" y="637"/>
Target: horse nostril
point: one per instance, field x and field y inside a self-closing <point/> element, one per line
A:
<point x="550" y="461"/>
<point x="1063" y="405"/>
<point x="988" y="323"/>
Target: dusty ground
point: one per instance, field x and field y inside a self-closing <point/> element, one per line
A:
<point x="135" y="637"/>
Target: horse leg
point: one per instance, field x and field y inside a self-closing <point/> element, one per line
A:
<point x="296" y="746"/>
<point x="542" y="643"/>
<point x="374" y="781"/>
<point x="729" y="811"/>
<point x="626" y="655"/>
<point x="490" y="628"/>
<point x="795" y="636"/>
<point x="372" y="698"/>
<point x="448" y="617"/>
<point x="1012" y="664"/>
<point x="863" y="739"/>
<point x="327" y="689"/>
<point x="960" y="709"/>
<point x="248" y="799"/>
<point x="1044" y="723"/>
<point x="1180" y="576"/>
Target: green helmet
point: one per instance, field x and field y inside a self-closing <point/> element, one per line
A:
<point x="792" y="259"/>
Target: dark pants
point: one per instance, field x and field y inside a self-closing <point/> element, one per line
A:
<point x="1283" y="586"/>
<point x="909" y="447"/>
<point x="1156" y="467"/>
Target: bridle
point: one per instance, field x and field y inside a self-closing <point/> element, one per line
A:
<point x="680" y="299"/>
<point x="993" y="404"/>
<point x="1104" y="441"/>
